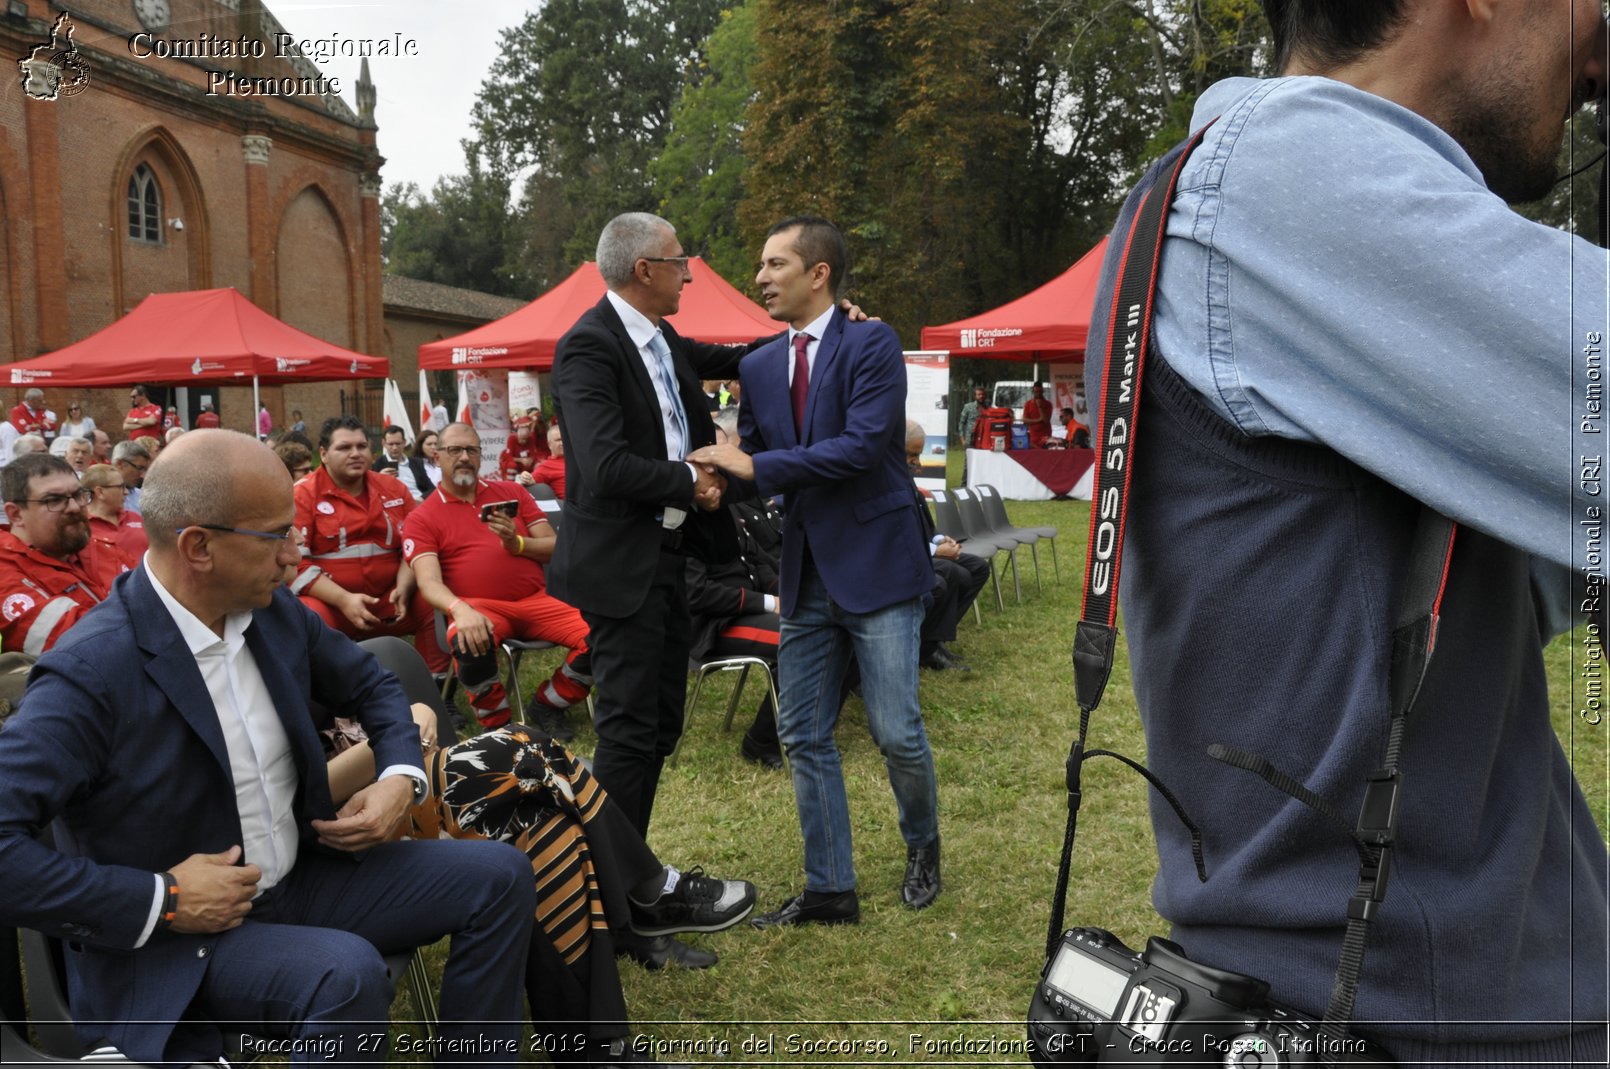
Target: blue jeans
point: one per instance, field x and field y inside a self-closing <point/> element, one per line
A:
<point x="813" y="654"/>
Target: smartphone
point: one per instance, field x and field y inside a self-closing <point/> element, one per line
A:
<point x="511" y="509"/>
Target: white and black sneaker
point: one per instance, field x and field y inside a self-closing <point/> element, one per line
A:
<point x="697" y="904"/>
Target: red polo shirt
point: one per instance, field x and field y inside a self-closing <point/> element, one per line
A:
<point x="473" y="561"/>
<point x="152" y="411"/>
<point x="127" y="534"/>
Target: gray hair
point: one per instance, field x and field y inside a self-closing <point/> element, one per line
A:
<point x="35" y="394"/>
<point x="28" y="443"/>
<point x="128" y="450"/>
<point x="914" y="432"/>
<point x="177" y="494"/>
<point x="727" y="420"/>
<point x="626" y="239"/>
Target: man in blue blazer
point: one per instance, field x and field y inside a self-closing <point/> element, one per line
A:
<point x="201" y="875"/>
<point x="822" y="422"/>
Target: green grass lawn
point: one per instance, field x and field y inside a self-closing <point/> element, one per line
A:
<point x="963" y="968"/>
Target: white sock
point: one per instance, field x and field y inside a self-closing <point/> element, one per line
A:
<point x="672" y="878"/>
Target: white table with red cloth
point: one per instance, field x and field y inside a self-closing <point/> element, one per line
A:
<point x="1032" y="474"/>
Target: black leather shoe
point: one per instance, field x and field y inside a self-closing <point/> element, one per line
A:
<point x="932" y="660"/>
<point x="656" y="952"/>
<point x="842" y="908"/>
<point x="948" y="658"/>
<point x="546" y="720"/>
<point x="921" y="885"/>
<point x="760" y="753"/>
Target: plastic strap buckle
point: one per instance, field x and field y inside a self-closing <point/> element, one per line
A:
<point x="1372" y="880"/>
<point x="1378" y="816"/>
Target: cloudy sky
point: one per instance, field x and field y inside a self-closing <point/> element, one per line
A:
<point x="423" y="101"/>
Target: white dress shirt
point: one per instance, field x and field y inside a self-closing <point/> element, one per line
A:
<point x="260" y="761"/>
<point x="641" y="330"/>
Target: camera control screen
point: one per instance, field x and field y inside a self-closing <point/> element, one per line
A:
<point x="1092" y="982"/>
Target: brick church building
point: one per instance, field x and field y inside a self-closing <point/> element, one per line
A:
<point x="182" y="153"/>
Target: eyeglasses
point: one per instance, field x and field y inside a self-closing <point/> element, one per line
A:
<point x="680" y="261"/>
<point x="57" y="502"/>
<point x="272" y="536"/>
<point x="460" y="450"/>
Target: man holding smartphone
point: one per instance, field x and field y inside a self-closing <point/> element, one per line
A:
<point x="477" y="547"/>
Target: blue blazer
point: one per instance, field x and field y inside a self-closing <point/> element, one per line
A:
<point x="117" y="741"/>
<point x="848" y="493"/>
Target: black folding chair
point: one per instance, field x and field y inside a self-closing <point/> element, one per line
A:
<point x="740" y="663"/>
<point x="552" y="508"/>
<point x="513" y="650"/>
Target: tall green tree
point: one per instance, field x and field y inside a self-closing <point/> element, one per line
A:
<point x="699" y="175"/>
<point x="463" y="233"/>
<point x="581" y="94"/>
<point x="971" y="148"/>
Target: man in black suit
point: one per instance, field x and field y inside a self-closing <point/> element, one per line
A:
<point x="958" y="576"/>
<point x="627" y="389"/>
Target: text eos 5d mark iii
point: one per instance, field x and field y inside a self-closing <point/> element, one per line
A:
<point x="1099" y="1001"/>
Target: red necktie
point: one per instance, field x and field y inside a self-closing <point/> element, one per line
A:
<point x="801" y="385"/>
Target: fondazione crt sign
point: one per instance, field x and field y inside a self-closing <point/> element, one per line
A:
<point x="985" y="338"/>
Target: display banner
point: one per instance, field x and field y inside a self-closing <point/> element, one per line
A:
<point x="928" y="403"/>
<point x="483" y="403"/>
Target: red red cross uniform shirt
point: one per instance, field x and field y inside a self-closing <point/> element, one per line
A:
<point x="41" y="596"/>
<point x="152" y="411"/>
<point x="516" y="458"/>
<point x="473" y="561"/>
<point x="32" y="421"/>
<point x="357" y="542"/>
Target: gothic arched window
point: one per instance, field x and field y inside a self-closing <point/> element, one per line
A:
<point x="145" y="205"/>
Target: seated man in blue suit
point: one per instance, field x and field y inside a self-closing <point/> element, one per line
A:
<point x="823" y="421"/>
<point x="203" y="876"/>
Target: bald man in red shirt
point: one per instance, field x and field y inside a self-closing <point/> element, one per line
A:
<point x="477" y="547"/>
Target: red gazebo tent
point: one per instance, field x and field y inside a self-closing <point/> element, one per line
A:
<point x="196" y="337"/>
<point x="712" y="311"/>
<point x="1049" y="323"/>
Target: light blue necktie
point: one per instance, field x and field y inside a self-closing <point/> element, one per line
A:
<point x="668" y="380"/>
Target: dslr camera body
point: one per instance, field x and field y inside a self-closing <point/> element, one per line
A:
<point x="1100" y="1002"/>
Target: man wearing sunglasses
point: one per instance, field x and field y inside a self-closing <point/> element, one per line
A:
<point x="51" y="570"/>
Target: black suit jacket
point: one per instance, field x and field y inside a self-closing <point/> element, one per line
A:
<point x="617" y="478"/>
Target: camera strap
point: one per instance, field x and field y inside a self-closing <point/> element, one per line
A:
<point x="1095" y="636"/>
<point x="1374" y="833"/>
